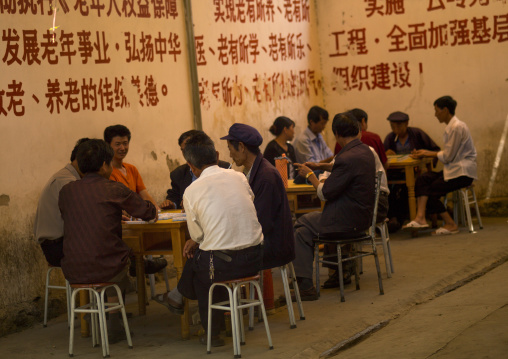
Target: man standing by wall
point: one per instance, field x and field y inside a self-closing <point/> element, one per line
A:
<point x="48" y="224"/>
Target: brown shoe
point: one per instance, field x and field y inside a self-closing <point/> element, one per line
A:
<point x="217" y="341"/>
<point x="307" y="294"/>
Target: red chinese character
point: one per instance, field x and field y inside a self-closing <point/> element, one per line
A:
<point x="380" y="75"/>
<point x="360" y="77"/>
<point x="438" y="35"/>
<point x="288" y="10"/>
<point x="401" y="75"/>
<point x="15" y="103"/>
<point x="96" y="5"/>
<point x="343" y="74"/>
<point x="433" y="7"/>
<point x="481" y="32"/>
<point x="500" y="28"/>
<point x="12" y="47"/>
<point x="223" y="49"/>
<point x="151" y="96"/>
<point x="71" y="92"/>
<point x="273" y="47"/>
<point x="144" y="10"/>
<point x="219" y="13"/>
<point x="66" y="42"/>
<point x="174" y="45"/>
<point x="357" y="41"/>
<point x="111" y="4"/>
<point x="85" y="47"/>
<point x="160" y="46"/>
<point x="459" y="32"/>
<point x="372" y="8"/>
<point x="200" y="51"/>
<point x="253" y="44"/>
<point x="394" y="7"/>
<point x="102" y="48"/>
<point x="337" y="52"/>
<point x="418" y="37"/>
<point x="233" y="50"/>
<point x="89" y="95"/>
<point x="397" y="35"/>
<point x="30" y="47"/>
<point x="243" y="49"/>
<point x="54" y="96"/>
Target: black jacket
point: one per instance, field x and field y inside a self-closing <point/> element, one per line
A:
<point x="349" y="191"/>
<point x="272" y="207"/>
<point x="181" y="178"/>
<point x="418" y="140"/>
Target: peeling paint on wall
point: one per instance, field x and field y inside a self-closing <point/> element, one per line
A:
<point x="154" y="155"/>
<point x="4" y="200"/>
<point x="172" y="164"/>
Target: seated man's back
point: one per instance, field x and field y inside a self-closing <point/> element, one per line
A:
<point x="92" y="210"/>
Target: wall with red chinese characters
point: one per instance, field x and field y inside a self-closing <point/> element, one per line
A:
<point x="68" y="69"/>
<point x="401" y="55"/>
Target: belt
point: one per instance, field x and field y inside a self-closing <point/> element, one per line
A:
<point x="226" y="254"/>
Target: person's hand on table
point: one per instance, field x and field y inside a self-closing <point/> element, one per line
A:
<point x="390" y="153"/>
<point x="167" y="204"/>
<point x="189" y="248"/>
<point x="302" y="169"/>
<point x="420" y="153"/>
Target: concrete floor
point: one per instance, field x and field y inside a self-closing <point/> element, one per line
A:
<point x="447" y="299"/>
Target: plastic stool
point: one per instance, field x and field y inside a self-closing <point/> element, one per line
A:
<point x="235" y="305"/>
<point x="50" y="286"/>
<point x="97" y="309"/>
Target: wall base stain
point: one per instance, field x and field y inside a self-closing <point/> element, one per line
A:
<point x="4" y="200"/>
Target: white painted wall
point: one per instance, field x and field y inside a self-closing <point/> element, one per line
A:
<point x="476" y="75"/>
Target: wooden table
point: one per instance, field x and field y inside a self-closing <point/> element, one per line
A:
<point x="295" y="190"/>
<point x="135" y="236"/>
<point x="409" y="165"/>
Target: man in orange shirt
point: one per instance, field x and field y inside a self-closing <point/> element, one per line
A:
<point x="119" y="137"/>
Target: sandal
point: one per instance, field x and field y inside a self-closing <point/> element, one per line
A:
<point x="169" y="303"/>
<point x="415" y="225"/>
<point x="444" y="232"/>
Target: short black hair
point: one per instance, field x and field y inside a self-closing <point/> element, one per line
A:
<point x="359" y="114"/>
<point x="200" y="150"/>
<point x="116" y="130"/>
<point x="448" y="102"/>
<point x="186" y="135"/>
<point x="317" y="114"/>
<point x="75" y="149"/>
<point x="252" y="149"/>
<point x="345" y="125"/>
<point x="92" y="154"/>
<point x="280" y="124"/>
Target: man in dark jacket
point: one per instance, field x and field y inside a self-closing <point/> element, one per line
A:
<point x="182" y="176"/>
<point x="349" y="195"/>
<point x="270" y="199"/>
<point x="402" y="140"/>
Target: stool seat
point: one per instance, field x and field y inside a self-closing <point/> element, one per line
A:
<point x="238" y="280"/>
<point x="91" y="285"/>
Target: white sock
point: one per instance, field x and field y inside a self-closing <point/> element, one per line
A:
<point x="176" y="296"/>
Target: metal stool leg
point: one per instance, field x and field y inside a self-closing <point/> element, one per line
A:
<point x="467" y="209"/>
<point x="287" y="293"/>
<point x="316" y="264"/>
<point x="297" y="291"/>
<point x="477" y="208"/>
<point x="262" y="308"/>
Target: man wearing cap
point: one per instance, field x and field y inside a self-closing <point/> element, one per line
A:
<point x="270" y="199"/>
<point x="310" y="145"/>
<point x="402" y="140"/>
<point x="182" y="176"/>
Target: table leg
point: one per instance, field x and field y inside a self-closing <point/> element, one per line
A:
<point x="410" y="183"/>
<point x="84" y="299"/>
<point x="140" y="278"/>
<point x="178" y="242"/>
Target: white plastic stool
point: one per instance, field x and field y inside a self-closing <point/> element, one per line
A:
<point x="462" y="200"/>
<point x="287" y="292"/>
<point x="50" y="286"/>
<point x="235" y="305"/>
<point x="97" y="309"/>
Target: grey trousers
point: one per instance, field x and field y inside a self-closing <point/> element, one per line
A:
<point x="306" y="228"/>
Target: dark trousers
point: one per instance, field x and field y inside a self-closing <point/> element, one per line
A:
<point x="195" y="282"/>
<point x="53" y="251"/>
<point x="433" y="185"/>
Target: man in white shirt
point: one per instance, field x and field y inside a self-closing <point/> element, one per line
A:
<point x="459" y="159"/>
<point x="226" y="236"/>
